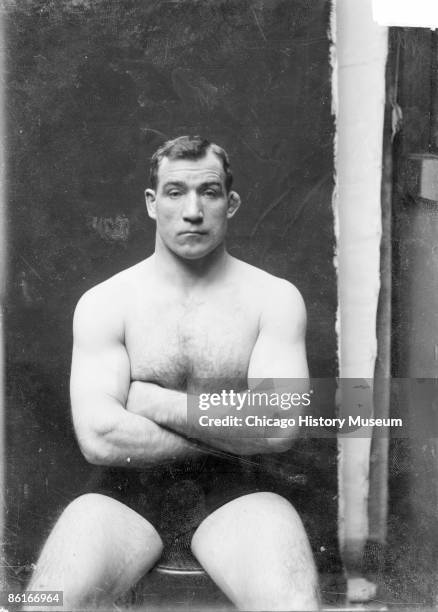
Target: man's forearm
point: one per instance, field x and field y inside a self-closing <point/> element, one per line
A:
<point x="131" y="440"/>
<point x="168" y="408"/>
<point x="165" y="407"/>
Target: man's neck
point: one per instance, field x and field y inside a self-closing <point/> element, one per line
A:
<point x="190" y="273"/>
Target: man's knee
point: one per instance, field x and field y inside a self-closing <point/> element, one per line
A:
<point x="95" y="514"/>
<point x="254" y="508"/>
<point x="266" y="515"/>
<point x="89" y="512"/>
<point x="276" y="506"/>
<point x="88" y="505"/>
<point x="271" y="502"/>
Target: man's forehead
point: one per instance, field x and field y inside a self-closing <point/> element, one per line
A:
<point x="206" y="168"/>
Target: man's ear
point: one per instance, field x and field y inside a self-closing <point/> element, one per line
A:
<point x="233" y="204"/>
<point x="150" y="198"/>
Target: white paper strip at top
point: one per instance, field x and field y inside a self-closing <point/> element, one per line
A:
<point x="406" y="13"/>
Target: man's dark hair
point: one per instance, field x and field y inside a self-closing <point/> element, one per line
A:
<point x="188" y="147"/>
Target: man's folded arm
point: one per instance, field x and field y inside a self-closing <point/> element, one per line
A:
<point x="107" y="433"/>
<point x="169" y="408"/>
<point x="278" y="363"/>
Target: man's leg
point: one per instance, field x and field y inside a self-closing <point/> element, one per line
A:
<point x="97" y="550"/>
<point x="256" y="550"/>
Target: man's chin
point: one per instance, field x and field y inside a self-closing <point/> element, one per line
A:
<point x="193" y="253"/>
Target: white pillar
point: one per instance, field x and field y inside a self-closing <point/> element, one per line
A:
<point x="359" y="99"/>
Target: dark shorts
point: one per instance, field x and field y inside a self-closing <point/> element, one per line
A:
<point x="176" y="498"/>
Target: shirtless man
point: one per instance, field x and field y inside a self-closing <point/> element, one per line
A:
<point x="142" y="340"/>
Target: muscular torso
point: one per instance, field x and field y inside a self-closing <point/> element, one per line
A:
<point x="191" y="340"/>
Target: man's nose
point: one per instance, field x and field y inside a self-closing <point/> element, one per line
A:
<point x="193" y="208"/>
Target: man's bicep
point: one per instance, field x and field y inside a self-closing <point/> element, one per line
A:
<point x="100" y="373"/>
<point x="280" y="351"/>
<point x="275" y="358"/>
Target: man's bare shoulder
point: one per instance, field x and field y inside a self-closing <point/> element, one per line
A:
<point x="116" y="286"/>
<point x="266" y="286"/>
<point x="105" y="303"/>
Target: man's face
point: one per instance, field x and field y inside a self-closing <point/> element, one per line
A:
<point x="191" y="205"/>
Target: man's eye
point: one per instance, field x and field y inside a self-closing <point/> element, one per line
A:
<point x="210" y="193"/>
<point x="174" y="193"/>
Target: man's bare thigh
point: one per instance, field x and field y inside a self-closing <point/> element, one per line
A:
<point x="256" y="550"/>
<point x="98" y="547"/>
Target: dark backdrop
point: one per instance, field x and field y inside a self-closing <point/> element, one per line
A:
<point x="93" y="87"/>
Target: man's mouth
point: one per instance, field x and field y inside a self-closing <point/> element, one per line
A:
<point x="192" y="233"/>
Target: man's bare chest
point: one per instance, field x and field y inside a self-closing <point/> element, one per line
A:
<point x="183" y="346"/>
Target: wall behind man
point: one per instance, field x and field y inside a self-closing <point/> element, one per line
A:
<point x="92" y="89"/>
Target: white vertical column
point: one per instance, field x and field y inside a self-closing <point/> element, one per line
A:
<point x="359" y="92"/>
